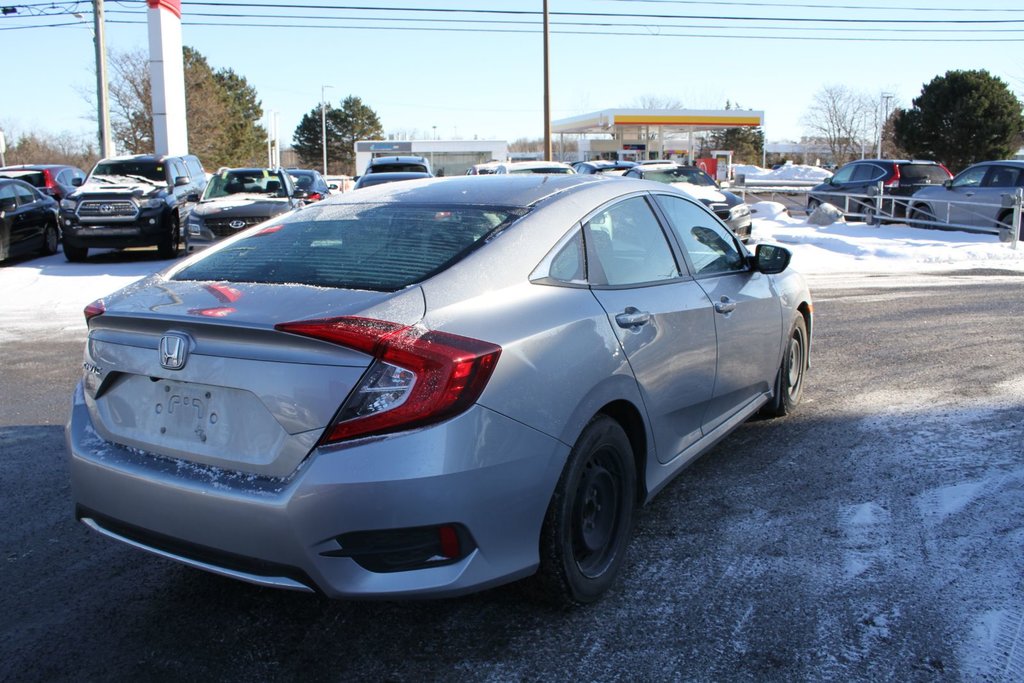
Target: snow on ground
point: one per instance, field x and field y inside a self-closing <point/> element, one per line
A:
<point x="45" y="296"/>
<point x="786" y="173"/>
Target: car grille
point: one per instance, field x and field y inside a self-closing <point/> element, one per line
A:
<point x="108" y="209"/>
<point x="222" y="227"/>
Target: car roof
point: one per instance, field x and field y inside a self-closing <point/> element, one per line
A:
<point x="480" y="190"/>
<point x="36" y="167"/>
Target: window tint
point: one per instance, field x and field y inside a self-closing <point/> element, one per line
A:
<point x="7" y="195"/>
<point x="25" y="195"/>
<point x="845" y="174"/>
<point x="712" y="249"/>
<point x="866" y="173"/>
<point x="1001" y="176"/>
<point x="625" y="245"/>
<point x="380" y="247"/>
<point x="923" y="174"/>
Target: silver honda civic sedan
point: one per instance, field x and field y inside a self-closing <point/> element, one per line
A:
<point x="433" y="387"/>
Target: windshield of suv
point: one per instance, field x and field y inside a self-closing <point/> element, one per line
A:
<point x="151" y="172"/>
<point x="246" y="181"/>
<point x="680" y="175"/>
<point x="379" y="247"/>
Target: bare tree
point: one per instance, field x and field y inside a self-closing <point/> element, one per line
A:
<point x="656" y="102"/>
<point x="844" y="120"/>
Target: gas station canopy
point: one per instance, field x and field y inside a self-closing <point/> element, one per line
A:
<point x="669" y="120"/>
<point x="638" y="134"/>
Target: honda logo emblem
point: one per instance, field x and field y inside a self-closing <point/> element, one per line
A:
<point x="174" y="350"/>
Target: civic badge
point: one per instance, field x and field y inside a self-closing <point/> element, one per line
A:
<point x="237" y="224"/>
<point x="174" y="349"/>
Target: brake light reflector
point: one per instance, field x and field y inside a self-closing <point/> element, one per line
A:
<point x="418" y="377"/>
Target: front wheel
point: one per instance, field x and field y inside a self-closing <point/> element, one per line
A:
<point x="921" y="214"/>
<point x="50" y="238"/>
<point x="789" y="382"/>
<point x="171" y="242"/>
<point x="590" y="518"/>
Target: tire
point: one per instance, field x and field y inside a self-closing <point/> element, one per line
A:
<point x="921" y="213"/>
<point x="812" y="204"/>
<point x="51" y="236"/>
<point x="1006" y="234"/>
<point x="871" y="216"/>
<point x="170" y="245"/>
<point x="75" y="254"/>
<point x="789" y="382"/>
<point x="590" y="518"/>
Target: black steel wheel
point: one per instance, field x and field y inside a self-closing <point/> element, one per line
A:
<point x="590" y="518"/>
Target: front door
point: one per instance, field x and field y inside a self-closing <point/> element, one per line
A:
<point x="661" y="317"/>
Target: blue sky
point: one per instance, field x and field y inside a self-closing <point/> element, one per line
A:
<point x="488" y="83"/>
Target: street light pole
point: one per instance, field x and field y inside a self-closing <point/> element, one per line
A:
<point x="547" y="88"/>
<point x="102" y="94"/>
<point x="323" y="122"/>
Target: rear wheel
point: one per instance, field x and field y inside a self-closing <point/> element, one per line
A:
<point x="75" y="254"/>
<point x="921" y="213"/>
<point x="171" y="242"/>
<point x="812" y="204"/>
<point x="50" y="238"/>
<point x="789" y="382"/>
<point x="1006" y="230"/>
<point x="590" y="518"/>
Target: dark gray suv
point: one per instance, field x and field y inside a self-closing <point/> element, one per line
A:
<point x="132" y="201"/>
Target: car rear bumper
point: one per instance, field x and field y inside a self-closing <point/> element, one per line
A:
<point x="489" y="476"/>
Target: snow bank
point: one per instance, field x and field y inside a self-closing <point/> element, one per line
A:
<point x="787" y="173"/>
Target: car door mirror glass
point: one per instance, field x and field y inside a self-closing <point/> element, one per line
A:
<point x="771" y="259"/>
<point x="77" y="182"/>
<point x="181" y="180"/>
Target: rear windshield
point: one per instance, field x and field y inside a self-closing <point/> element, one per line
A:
<point x="34" y="178"/>
<point x="543" y="169"/>
<point x="380" y="247"/>
<point x="923" y="174"/>
<point x="680" y="175"/>
<point x="397" y="168"/>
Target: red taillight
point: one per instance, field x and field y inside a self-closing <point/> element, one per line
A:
<point x="418" y="377"/>
<point x="894" y="181"/>
<point x="48" y="179"/>
<point x="315" y="196"/>
<point x="94" y="309"/>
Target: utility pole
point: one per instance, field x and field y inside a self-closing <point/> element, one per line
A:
<point x="547" y="88"/>
<point x="102" y="95"/>
<point x="886" y="98"/>
<point x="323" y="122"/>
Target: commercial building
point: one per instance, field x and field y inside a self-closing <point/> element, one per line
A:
<point x="447" y="157"/>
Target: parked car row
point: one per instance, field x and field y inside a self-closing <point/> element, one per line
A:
<point x="925" y="192"/>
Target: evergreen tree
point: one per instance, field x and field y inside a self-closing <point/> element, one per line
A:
<point x="960" y="118"/>
<point x="245" y="137"/>
<point x="353" y="121"/>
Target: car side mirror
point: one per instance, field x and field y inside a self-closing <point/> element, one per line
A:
<point x="771" y="259"/>
<point x="948" y="184"/>
<point x="194" y="197"/>
<point x="181" y="180"/>
<point x="77" y="182"/>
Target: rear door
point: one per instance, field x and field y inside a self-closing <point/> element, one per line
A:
<point x="747" y="312"/>
<point x="29" y="220"/>
<point x="661" y="317"/>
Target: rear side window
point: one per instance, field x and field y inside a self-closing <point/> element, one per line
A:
<point x="923" y="174"/>
<point x="868" y="173"/>
<point x="379" y="247"/>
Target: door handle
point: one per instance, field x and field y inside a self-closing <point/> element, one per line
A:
<point x="632" y="317"/>
<point x="726" y="305"/>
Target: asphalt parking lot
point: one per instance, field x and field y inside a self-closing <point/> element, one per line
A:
<point x="876" y="535"/>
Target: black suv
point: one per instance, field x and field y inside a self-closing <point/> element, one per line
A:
<point x="133" y="201"/>
<point x="853" y="185"/>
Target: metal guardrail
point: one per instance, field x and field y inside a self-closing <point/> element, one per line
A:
<point x="876" y="207"/>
